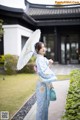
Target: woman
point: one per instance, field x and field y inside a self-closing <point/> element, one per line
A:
<point x="46" y="77"/>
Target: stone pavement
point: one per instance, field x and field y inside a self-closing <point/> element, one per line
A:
<point x="56" y="108"/>
<point x="59" y="69"/>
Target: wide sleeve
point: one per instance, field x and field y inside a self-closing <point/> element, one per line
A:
<point x="44" y="71"/>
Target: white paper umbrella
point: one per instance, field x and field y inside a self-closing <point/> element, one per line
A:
<point x="28" y="49"/>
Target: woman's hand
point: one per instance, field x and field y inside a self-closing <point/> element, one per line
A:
<point x="35" y="68"/>
<point x="51" y="85"/>
<point x="50" y="61"/>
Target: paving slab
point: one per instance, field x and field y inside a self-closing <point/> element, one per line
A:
<point x="59" y="69"/>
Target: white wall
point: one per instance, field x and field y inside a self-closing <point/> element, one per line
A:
<point x="12" y="38"/>
<point x="50" y="2"/>
<point x="13" y="3"/>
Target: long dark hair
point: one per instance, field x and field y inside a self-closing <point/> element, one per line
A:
<point x="38" y="46"/>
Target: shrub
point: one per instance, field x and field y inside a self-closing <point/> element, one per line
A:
<point x="73" y="97"/>
<point x="10" y="64"/>
<point x="2" y="59"/>
<point x="29" y="68"/>
<point x="32" y="60"/>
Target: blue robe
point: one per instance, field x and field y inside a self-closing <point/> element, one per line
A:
<point x="46" y="76"/>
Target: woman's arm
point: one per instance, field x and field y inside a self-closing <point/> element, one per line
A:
<point x="44" y="71"/>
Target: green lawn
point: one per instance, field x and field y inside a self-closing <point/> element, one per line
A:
<point x="63" y="77"/>
<point x="16" y="89"/>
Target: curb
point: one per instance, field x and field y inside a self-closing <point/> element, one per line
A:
<point x="25" y="108"/>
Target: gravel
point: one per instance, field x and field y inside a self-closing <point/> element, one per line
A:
<point x="25" y="109"/>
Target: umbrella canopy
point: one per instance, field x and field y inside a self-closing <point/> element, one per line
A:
<point x="28" y="49"/>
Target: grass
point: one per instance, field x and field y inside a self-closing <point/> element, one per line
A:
<point x="16" y="89"/>
<point x="63" y="77"/>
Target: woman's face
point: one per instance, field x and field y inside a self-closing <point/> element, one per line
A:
<point x="42" y="51"/>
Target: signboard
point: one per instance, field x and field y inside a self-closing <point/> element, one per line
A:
<point x="54" y="2"/>
<point x="65" y="2"/>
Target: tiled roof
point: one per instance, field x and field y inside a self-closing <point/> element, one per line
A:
<point x="34" y="11"/>
<point x="54" y="15"/>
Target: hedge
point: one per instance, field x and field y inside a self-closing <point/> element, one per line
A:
<point x="73" y="98"/>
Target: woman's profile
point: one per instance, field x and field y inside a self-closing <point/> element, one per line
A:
<point x="46" y="77"/>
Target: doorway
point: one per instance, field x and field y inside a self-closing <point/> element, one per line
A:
<point x="1" y="46"/>
<point x="49" y="41"/>
<point x="70" y="49"/>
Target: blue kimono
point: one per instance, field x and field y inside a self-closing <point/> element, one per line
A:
<point x="46" y="76"/>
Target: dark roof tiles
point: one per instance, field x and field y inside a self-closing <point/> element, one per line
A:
<point x="42" y="11"/>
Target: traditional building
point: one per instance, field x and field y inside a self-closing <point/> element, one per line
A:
<point x="59" y="24"/>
